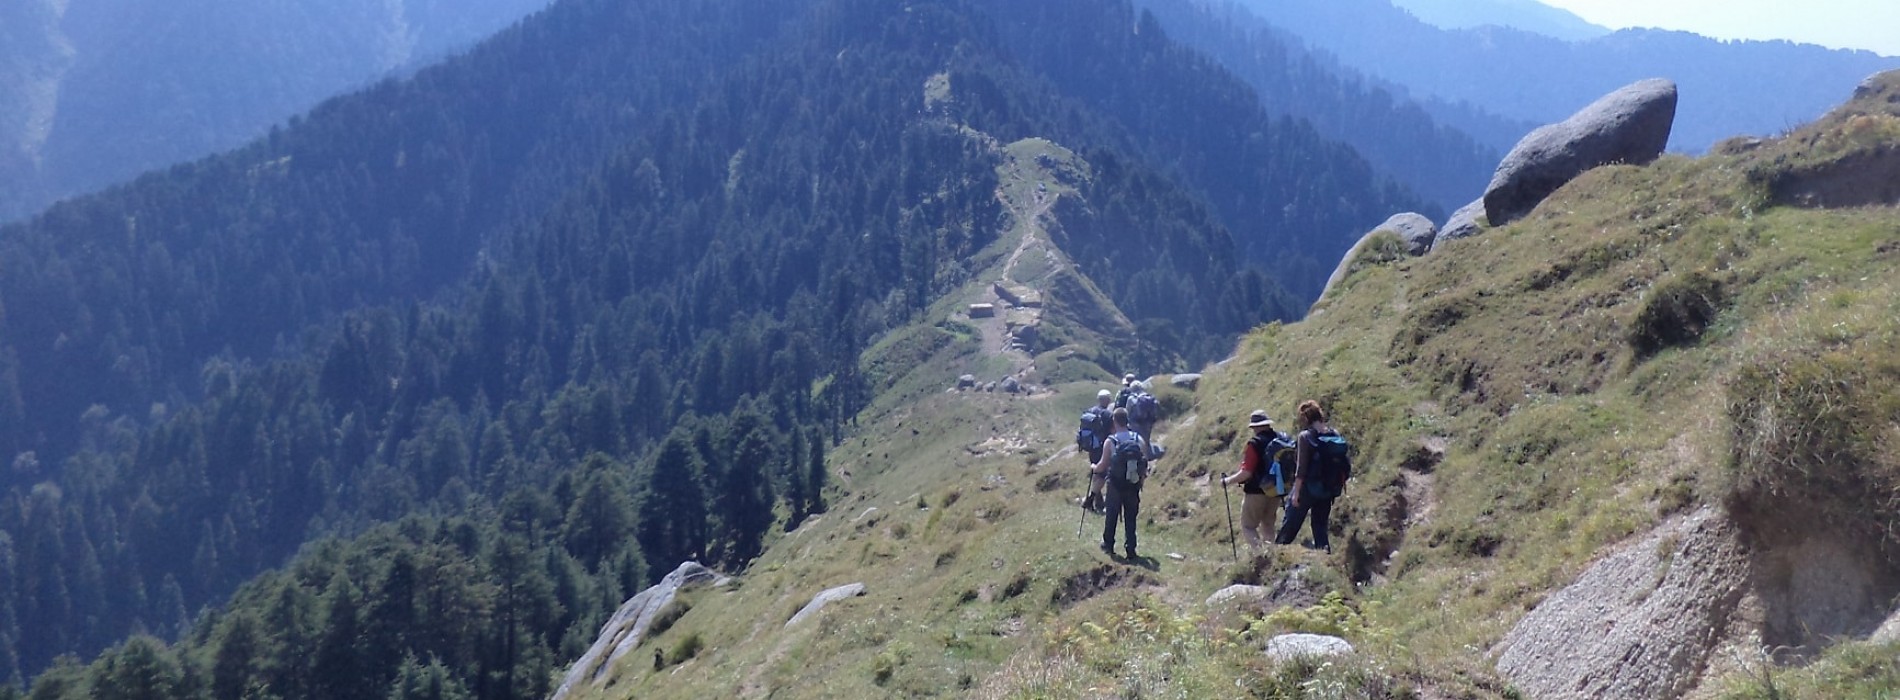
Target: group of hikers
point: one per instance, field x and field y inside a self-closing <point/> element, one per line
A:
<point x="1297" y="476"/>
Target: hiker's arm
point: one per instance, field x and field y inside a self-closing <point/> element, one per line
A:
<point x="1101" y="465"/>
<point x="1303" y="461"/>
<point x="1248" y="463"/>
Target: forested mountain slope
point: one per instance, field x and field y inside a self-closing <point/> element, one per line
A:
<point x="1728" y="88"/>
<point x="505" y="341"/>
<point x="1397" y="135"/>
<point x="92" y="92"/>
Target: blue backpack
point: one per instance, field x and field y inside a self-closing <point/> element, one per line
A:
<point x="1130" y="464"/>
<point x="1275" y="463"/>
<point x="1332" y="465"/>
<point x="1095" y="429"/>
<point x="1143" y="409"/>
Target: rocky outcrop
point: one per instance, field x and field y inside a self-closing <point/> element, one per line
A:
<point x="629" y="626"/>
<point x="1188" y="381"/>
<point x="1468" y="221"/>
<point x="1640" y="623"/>
<point x="1287" y="647"/>
<point x="1415" y="233"/>
<point x="829" y="596"/>
<point x="1630" y="125"/>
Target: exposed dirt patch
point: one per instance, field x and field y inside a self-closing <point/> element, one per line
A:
<point x="1868" y="178"/>
<point x="1093" y="582"/>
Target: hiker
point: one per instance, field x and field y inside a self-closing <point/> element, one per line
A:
<point x="1125" y="464"/>
<point x="1097" y="423"/>
<point x="1320" y="476"/>
<point x="1127" y="392"/>
<point x="1263" y="478"/>
<point x="1144" y="410"/>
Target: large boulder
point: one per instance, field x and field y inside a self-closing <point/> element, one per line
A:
<point x="1630" y="125"/>
<point x="1189" y="381"/>
<point x="827" y="597"/>
<point x="629" y="626"/>
<point x="1237" y="595"/>
<point x="1415" y="230"/>
<point x="1468" y="221"/>
<point x="1640" y="623"/>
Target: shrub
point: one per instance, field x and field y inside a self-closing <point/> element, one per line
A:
<point x="687" y="647"/>
<point x="668" y="614"/>
<point x="1676" y="312"/>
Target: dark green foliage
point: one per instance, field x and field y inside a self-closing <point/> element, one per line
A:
<point x="1676" y="312"/>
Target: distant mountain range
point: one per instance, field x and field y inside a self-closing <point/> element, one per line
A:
<point x="93" y="92"/>
<point x="1527" y="15"/>
<point x="1728" y="87"/>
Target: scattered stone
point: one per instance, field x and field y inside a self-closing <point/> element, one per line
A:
<point x="982" y="310"/>
<point x="829" y="596"/>
<point x="1177" y="556"/>
<point x="629" y="626"/>
<point x="1189" y="382"/>
<point x="1010" y="385"/>
<point x="1237" y="594"/>
<point x="1630" y="125"/>
<point x="989" y="387"/>
<point x="1889" y="631"/>
<point x="1287" y="647"/>
<point x="967" y="381"/>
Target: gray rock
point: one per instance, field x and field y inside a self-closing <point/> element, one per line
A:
<point x="1414" y="230"/>
<point x="1237" y="594"/>
<point x="1292" y="646"/>
<point x="1468" y="221"/>
<point x="1417" y="231"/>
<point x="629" y="626"/>
<point x="1010" y="385"/>
<point x="1640" y="623"/>
<point x="1889" y="631"/>
<point x="829" y="596"/>
<point x="967" y="381"/>
<point x="1630" y="125"/>
<point x="1189" y="382"/>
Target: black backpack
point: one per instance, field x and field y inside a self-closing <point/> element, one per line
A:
<point x="1332" y="465"/>
<point x="1273" y="470"/>
<point x="1130" y="464"/>
<point x="1095" y="429"/>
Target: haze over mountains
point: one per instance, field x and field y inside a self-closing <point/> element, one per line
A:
<point x="1728" y="88"/>
<point x="93" y="92"/>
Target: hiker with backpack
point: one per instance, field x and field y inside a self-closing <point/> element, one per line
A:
<point x="1127" y="392"/>
<point x="1097" y="424"/>
<point x="1124" y="463"/>
<point x="1323" y="464"/>
<point x="1144" y="411"/>
<point x="1264" y="477"/>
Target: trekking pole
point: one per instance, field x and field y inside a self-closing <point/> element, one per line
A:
<point x="1230" y="521"/>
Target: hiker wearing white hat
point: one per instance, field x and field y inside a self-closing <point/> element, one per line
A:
<point x="1261" y="478"/>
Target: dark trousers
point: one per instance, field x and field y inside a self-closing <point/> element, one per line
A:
<point x="1124" y="502"/>
<point x="1319" y="508"/>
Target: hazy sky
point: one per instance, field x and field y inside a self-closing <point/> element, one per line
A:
<point x="1858" y="24"/>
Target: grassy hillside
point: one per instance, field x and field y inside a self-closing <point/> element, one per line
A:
<point x="1651" y="342"/>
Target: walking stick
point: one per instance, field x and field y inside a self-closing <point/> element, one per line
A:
<point x="1088" y="484"/>
<point x="1230" y="522"/>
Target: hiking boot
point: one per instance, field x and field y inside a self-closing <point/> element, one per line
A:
<point x="1129" y="553"/>
<point x="1108" y="548"/>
